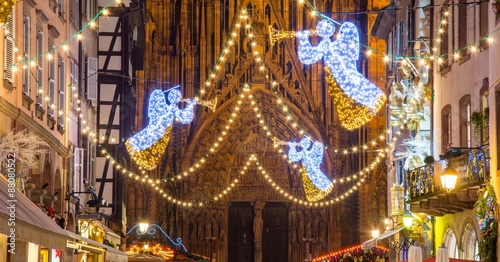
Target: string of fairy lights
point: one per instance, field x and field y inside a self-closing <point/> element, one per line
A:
<point x="231" y="185"/>
<point x="221" y="137"/>
<point x="244" y="15"/>
<point x="103" y="11"/>
<point x="212" y="78"/>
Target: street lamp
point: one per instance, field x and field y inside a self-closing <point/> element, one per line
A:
<point x="408" y="219"/>
<point x="449" y="178"/>
<point x="143" y="228"/>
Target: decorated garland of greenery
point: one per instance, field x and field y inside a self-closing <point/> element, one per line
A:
<point x="485" y="211"/>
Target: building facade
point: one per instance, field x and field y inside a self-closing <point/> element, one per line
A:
<point x="444" y="54"/>
<point x="49" y="97"/>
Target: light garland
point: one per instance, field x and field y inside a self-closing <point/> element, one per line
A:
<point x="340" y="57"/>
<point x="214" y="74"/>
<point x="154" y="183"/>
<point x="147" y="146"/>
<point x="360" y="176"/>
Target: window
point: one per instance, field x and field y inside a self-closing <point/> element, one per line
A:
<point x="92" y="67"/>
<point x="90" y="161"/>
<point x="470" y="243"/>
<point x="61" y="93"/>
<point x="52" y="85"/>
<point x="445" y="127"/>
<point x="26" y="55"/>
<point x="443" y="36"/>
<point x="483" y="21"/>
<point x="73" y="75"/>
<point x="399" y="38"/>
<point x="73" y="12"/>
<point x="39" y="68"/>
<point x="485" y="110"/>
<point x="462" y="26"/>
<point x="450" y="241"/>
<point x="78" y="170"/>
<point x="90" y="11"/>
<point x="465" y="122"/>
<point x="61" y="7"/>
<point x="9" y="50"/>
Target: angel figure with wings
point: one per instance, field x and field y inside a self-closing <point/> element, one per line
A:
<point x="357" y="98"/>
<point x="147" y="146"/>
<point x="316" y="183"/>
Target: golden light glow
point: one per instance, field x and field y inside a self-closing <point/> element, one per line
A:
<point x="149" y="157"/>
<point x="5" y="10"/>
<point x="350" y="114"/>
<point x="313" y="193"/>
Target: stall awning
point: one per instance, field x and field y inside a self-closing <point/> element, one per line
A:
<point x="372" y="242"/>
<point x="31" y="224"/>
<point x="112" y="254"/>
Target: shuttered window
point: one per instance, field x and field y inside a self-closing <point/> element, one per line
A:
<point x="462" y="20"/>
<point x="73" y="90"/>
<point x="52" y="85"/>
<point x="73" y="12"/>
<point x="78" y="170"/>
<point x="471" y="24"/>
<point x="61" y="7"/>
<point x="9" y="50"/>
<point x="92" y="68"/>
<point x="26" y="55"/>
<point x="61" y="93"/>
<point x="443" y="34"/>
<point x="39" y="68"/>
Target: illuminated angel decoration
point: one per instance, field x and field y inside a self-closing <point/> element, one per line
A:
<point x="316" y="183"/>
<point x="147" y="146"/>
<point x="357" y="100"/>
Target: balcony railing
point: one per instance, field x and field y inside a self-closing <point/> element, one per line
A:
<point x="472" y="166"/>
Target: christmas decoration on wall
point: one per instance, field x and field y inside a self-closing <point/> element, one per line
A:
<point x="484" y="208"/>
<point x="147" y="146"/>
<point x="417" y="149"/>
<point x="340" y="58"/>
<point x="316" y="184"/>
<point x="410" y="97"/>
